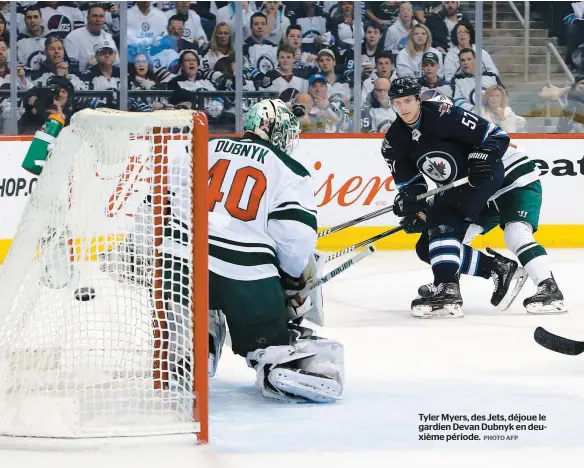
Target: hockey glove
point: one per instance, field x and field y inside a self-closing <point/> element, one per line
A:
<point x="406" y="203"/>
<point x="414" y="224"/>
<point x="479" y="168"/>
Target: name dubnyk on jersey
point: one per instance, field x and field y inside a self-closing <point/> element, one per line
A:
<point x="262" y="211"/>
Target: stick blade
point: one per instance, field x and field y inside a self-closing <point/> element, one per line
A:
<point x="557" y="343"/>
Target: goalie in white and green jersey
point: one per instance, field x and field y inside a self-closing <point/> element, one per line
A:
<point x="262" y="236"/>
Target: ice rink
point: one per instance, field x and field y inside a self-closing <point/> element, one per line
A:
<point x="397" y="367"/>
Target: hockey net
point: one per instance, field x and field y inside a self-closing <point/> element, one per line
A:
<point x="103" y="333"/>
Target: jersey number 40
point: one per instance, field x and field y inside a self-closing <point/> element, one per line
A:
<point x="234" y="203"/>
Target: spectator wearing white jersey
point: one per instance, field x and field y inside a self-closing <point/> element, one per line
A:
<point x="312" y="19"/>
<point x="283" y="77"/>
<point x="82" y="43"/>
<point x="31" y="43"/>
<point x="463" y="37"/>
<point x="409" y="60"/>
<point x="145" y="24"/>
<point x="397" y="34"/>
<point x="60" y="18"/>
<point x="464" y="83"/>
<point x="193" y="31"/>
<point x="221" y="46"/>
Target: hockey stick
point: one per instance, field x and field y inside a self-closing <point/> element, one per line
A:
<point x="388" y="209"/>
<point x="365" y="243"/>
<point x="338" y="270"/>
<point x="557" y="343"/>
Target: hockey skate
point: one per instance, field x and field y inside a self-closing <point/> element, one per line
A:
<point x="426" y="290"/>
<point x="445" y="301"/>
<point x="509" y="279"/>
<point x="548" y="299"/>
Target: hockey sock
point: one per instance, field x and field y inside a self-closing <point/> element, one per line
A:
<point x="444" y="258"/>
<point x="475" y="263"/>
<point x="532" y="256"/>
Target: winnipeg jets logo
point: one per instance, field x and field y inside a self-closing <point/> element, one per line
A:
<point x="416" y="134"/>
<point x="438" y="166"/>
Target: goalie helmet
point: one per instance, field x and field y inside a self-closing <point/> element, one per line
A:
<point x="273" y="122"/>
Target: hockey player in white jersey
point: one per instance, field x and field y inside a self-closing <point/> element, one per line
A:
<point x="262" y="235"/>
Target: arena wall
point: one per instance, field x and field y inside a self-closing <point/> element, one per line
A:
<point x="351" y="179"/>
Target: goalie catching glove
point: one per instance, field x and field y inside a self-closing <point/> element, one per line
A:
<point x="296" y="306"/>
<point x="311" y="370"/>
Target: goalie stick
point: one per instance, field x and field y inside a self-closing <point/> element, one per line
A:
<point x="388" y="209"/>
<point x="556" y="343"/>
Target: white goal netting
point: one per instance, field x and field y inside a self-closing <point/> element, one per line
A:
<point x="96" y="324"/>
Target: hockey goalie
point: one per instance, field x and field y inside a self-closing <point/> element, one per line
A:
<point x="262" y="237"/>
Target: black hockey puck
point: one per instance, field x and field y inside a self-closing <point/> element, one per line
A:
<point x="84" y="294"/>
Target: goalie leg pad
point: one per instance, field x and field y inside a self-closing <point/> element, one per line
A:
<point x="312" y="370"/>
<point x="217" y="333"/>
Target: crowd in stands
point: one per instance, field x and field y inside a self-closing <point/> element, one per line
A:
<point x="301" y="51"/>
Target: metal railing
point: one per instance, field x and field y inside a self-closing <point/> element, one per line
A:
<point x="524" y="21"/>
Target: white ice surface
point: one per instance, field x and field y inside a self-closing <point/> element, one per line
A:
<point x="396" y="368"/>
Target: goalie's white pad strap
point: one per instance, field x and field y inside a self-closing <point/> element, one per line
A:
<point x="310" y="370"/>
<point x="217" y="333"/>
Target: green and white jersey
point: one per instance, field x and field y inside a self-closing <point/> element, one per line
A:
<point x="520" y="170"/>
<point x="262" y="210"/>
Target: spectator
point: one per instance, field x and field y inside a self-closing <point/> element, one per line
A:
<point x="187" y="76"/>
<point x="382" y="13"/>
<point x="463" y="37"/>
<point x="141" y="76"/>
<point x="111" y="22"/>
<point x="145" y="24"/>
<point x="451" y="17"/>
<point x="259" y="53"/>
<point x="193" y="30"/>
<point x="370" y="48"/>
<point x="21" y="80"/>
<point x="312" y="20"/>
<point x="4" y="32"/>
<point x="378" y="107"/>
<point x="226" y="14"/>
<point x="303" y="102"/>
<point x="277" y="22"/>
<point x="409" y="60"/>
<point x="464" y="83"/>
<point x="342" y="26"/>
<point x="55" y="63"/>
<point x="327" y="116"/>
<point x="495" y="108"/>
<point x="5" y="12"/>
<point x="164" y="52"/>
<point x="31" y="43"/>
<point x="60" y="18"/>
<point x="293" y="38"/>
<point x="575" y="37"/>
<point x="397" y="34"/>
<point x="221" y="46"/>
<point x="338" y="90"/>
<point x="283" y="77"/>
<point x="383" y="69"/>
<point x="430" y="79"/>
<point x="102" y="76"/>
<point x="54" y="98"/>
<point x="82" y="43"/>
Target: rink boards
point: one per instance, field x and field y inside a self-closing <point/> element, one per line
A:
<point x="352" y="179"/>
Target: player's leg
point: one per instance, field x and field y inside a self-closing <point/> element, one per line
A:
<point x="289" y="364"/>
<point x="520" y="210"/>
<point x="448" y="221"/>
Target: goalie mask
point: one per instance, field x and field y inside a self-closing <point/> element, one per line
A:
<point x="273" y="122"/>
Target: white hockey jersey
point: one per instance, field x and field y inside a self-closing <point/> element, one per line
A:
<point x="465" y="85"/>
<point x="81" y="44"/>
<point x="452" y="63"/>
<point x="262" y="212"/>
<point x="412" y="66"/>
<point x="143" y="29"/>
<point x="31" y="51"/>
<point x="520" y="170"/>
